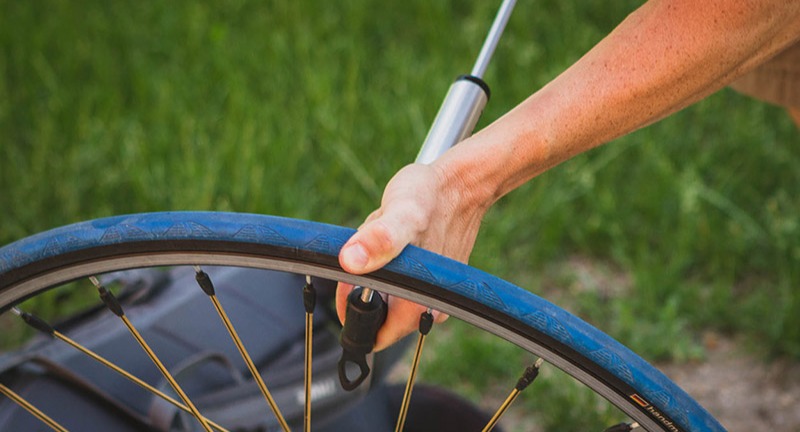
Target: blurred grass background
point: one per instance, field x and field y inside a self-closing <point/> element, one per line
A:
<point x="305" y="109"/>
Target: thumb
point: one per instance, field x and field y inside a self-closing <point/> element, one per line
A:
<point x="376" y="243"/>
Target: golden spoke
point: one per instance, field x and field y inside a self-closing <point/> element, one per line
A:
<point x="19" y="400"/>
<point x="131" y="377"/>
<point x="309" y="301"/>
<point x="205" y="283"/>
<point x="41" y="325"/>
<point x="527" y="378"/>
<point x="112" y="303"/>
<point x="502" y="410"/>
<point x="425" y="324"/>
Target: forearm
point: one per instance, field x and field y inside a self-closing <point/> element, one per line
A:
<point x="663" y="57"/>
<point x="666" y="55"/>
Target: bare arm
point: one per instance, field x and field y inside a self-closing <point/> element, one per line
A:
<point x="663" y="57"/>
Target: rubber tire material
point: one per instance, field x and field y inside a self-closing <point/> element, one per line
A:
<point x="518" y="315"/>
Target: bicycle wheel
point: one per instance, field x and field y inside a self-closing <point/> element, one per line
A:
<point x="32" y="265"/>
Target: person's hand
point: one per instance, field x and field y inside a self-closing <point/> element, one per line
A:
<point x="420" y="206"/>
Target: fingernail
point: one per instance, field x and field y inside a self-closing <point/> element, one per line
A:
<point x="354" y="257"/>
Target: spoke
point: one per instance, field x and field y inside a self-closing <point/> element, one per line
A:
<point x="622" y="427"/>
<point x="19" y="400"/>
<point x="425" y="324"/>
<point x="134" y="378"/>
<point x="528" y="376"/>
<point x="208" y="287"/>
<point x="309" y="302"/>
<point x="500" y="411"/>
<point x="112" y="303"/>
<point x="41" y="325"/>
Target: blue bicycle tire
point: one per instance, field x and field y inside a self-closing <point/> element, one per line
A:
<point x="594" y="358"/>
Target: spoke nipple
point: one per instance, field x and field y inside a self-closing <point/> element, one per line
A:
<point x="197" y="269"/>
<point x="16" y="311"/>
<point x="622" y="427"/>
<point x="529" y="375"/>
<point x="309" y="296"/>
<point x="204" y="281"/>
<point x="108" y="298"/>
<point x="425" y="322"/>
<point x="34" y="321"/>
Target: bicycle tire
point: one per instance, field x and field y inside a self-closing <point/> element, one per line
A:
<point x="598" y="361"/>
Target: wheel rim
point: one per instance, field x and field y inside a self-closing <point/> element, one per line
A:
<point x="308" y="248"/>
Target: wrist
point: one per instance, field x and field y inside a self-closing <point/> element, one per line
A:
<point x="496" y="160"/>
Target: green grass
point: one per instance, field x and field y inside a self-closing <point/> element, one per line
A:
<point x="306" y="109"/>
<point x="485" y="369"/>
